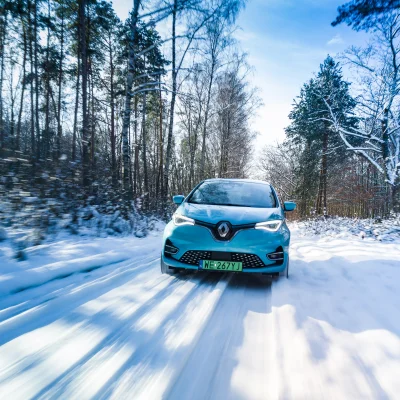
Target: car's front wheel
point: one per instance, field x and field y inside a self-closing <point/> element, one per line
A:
<point x="165" y="269"/>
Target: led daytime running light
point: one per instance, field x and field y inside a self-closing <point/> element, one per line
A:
<point x="181" y="220"/>
<point x="271" y="226"/>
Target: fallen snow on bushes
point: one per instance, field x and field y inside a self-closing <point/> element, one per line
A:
<point x="386" y="230"/>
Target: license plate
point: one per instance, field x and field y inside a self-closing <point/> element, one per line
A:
<point x="221" y="265"/>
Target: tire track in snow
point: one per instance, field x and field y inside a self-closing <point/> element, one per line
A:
<point x="17" y="303"/>
<point x="100" y="351"/>
<point x="148" y="372"/>
<point x="232" y="351"/>
<point x="78" y="326"/>
<point x="83" y="381"/>
<point x="50" y="311"/>
<point x="111" y="343"/>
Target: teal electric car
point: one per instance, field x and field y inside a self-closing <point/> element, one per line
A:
<point x="234" y="225"/>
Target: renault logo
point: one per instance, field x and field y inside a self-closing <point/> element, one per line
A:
<point x="224" y="229"/>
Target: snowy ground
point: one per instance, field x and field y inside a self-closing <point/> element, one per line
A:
<point x="95" y="319"/>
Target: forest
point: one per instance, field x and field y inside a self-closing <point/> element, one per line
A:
<point x="100" y="115"/>
<point x="104" y="120"/>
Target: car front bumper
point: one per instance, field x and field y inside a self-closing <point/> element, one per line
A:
<point x="248" y="241"/>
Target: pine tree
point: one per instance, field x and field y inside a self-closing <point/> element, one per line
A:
<point x="311" y="121"/>
<point x="363" y="14"/>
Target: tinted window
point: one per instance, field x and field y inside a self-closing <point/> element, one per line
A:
<point x="228" y="193"/>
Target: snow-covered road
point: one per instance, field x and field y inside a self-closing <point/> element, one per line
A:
<point x="125" y="331"/>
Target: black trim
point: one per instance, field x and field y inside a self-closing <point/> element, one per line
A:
<point x="278" y="256"/>
<point x="214" y="230"/>
<point x="193" y="257"/>
<point x="170" y="249"/>
<point x="275" y="256"/>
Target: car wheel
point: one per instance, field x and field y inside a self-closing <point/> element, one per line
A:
<point x="285" y="272"/>
<point x="165" y="269"/>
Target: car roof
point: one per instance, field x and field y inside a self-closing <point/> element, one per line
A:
<point x="236" y="180"/>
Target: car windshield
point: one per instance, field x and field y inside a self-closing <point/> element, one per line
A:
<point x="234" y="193"/>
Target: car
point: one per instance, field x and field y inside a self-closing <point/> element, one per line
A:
<point x="233" y="225"/>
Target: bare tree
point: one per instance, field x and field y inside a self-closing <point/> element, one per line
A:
<point x="217" y="39"/>
<point x="279" y="166"/>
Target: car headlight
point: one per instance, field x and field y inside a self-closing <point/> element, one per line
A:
<point x="180" y="220"/>
<point x="271" y="226"/>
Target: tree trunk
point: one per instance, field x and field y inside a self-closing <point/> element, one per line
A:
<point x="172" y="106"/>
<point x="2" y="48"/>
<point x="75" y="128"/>
<point x="46" y="139"/>
<point x="12" y="121"/>
<point x="112" y="128"/>
<point x="128" y="96"/>
<point x="21" y="105"/>
<point x="318" y="204"/>
<point x="385" y="151"/>
<point x="144" y="148"/>
<point x="206" y="112"/>
<point x="136" y="150"/>
<point x="325" y="168"/>
<point x="159" y="182"/>
<point x="36" y="65"/>
<point x="84" y="60"/>
<point x="32" y="94"/>
<point x="394" y="199"/>
<point x="60" y="80"/>
<point x="92" y="127"/>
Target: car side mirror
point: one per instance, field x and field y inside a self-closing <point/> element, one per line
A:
<point x="289" y="205"/>
<point x="178" y="199"/>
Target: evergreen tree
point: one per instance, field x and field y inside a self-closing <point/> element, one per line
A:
<point x="363" y="14"/>
<point x="311" y="123"/>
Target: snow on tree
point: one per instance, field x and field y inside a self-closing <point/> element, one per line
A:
<point x="377" y="134"/>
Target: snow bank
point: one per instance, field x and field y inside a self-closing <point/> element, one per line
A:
<point x="338" y="227"/>
<point x="35" y="221"/>
<point x="68" y="256"/>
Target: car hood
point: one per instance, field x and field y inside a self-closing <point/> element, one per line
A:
<point x="235" y="215"/>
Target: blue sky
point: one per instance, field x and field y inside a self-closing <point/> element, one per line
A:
<point x="286" y="41"/>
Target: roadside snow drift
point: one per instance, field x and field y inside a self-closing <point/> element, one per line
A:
<point x="123" y="330"/>
<point x="65" y="257"/>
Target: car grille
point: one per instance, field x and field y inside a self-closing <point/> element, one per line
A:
<point x="193" y="257"/>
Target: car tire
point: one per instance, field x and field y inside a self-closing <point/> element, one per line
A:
<point x="165" y="269"/>
<point x="285" y="272"/>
